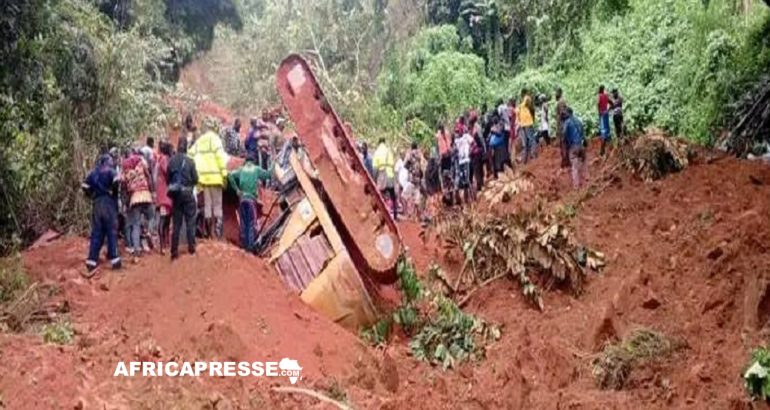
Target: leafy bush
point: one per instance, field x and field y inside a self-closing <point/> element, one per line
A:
<point x="757" y="376"/>
<point x="678" y="64"/>
<point x="94" y="86"/>
<point x="452" y="336"/>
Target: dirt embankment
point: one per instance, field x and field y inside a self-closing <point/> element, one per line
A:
<point x="687" y="256"/>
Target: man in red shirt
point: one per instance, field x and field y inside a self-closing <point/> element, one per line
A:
<point x="603" y="106"/>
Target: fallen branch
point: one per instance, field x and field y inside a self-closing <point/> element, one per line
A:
<point x="467" y="297"/>
<point x="314" y="394"/>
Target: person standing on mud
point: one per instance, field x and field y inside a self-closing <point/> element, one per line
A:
<point x="211" y="165"/>
<point x="384" y="162"/>
<point x="464" y="145"/>
<point x="603" y="106"/>
<point x="100" y="185"/>
<point x="526" y="120"/>
<point x="478" y="153"/>
<point x="573" y="133"/>
<point x="545" y="116"/>
<point x="561" y="112"/>
<point x="190" y="130"/>
<point x="367" y="159"/>
<point x="498" y="142"/>
<point x="444" y="145"/>
<point x="251" y="145"/>
<point x="616" y="102"/>
<point x="163" y="201"/>
<point x="245" y="180"/>
<point x="510" y="154"/>
<point x="232" y="139"/>
<point x="182" y="177"/>
<point x="137" y="178"/>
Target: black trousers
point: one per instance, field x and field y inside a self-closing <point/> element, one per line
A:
<point x="477" y="171"/>
<point x="184" y="208"/>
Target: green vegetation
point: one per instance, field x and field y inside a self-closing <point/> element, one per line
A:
<point x="679" y="64"/>
<point x="395" y="68"/>
<point x="441" y="333"/>
<point x="13" y="279"/>
<point x="451" y="336"/>
<point x="60" y="333"/>
<point x="757" y="376"/>
<point x="78" y="76"/>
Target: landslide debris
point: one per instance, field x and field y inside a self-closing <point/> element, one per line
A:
<point x="653" y="155"/>
<point x="532" y="248"/>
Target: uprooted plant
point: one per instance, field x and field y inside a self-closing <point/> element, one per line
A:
<point x="653" y="155"/>
<point x="532" y="248"/>
<point x="614" y="365"/>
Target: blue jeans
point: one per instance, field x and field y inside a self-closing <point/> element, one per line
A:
<point x="104" y="225"/>
<point x="248" y="214"/>
<point x="604" y="126"/>
<point x="135" y="223"/>
<point x="529" y="142"/>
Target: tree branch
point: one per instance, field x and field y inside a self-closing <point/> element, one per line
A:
<point x="313" y="394"/>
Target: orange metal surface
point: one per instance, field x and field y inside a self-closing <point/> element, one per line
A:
<point x="369" y="232"/>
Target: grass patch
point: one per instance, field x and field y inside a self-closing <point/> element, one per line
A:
<point x="60" y="333"/>
<point x="613" y="367"/>
<point x="13" y="279"/>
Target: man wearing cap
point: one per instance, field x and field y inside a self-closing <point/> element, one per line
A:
<point x="211" y="164"/>
<point x="245" y="180"/>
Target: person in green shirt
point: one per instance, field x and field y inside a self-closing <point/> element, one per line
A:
<point x="245" y="180"/>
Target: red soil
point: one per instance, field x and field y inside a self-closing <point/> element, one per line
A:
<point x="687" y="256"/>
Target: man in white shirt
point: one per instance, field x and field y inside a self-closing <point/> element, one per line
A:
<point x="463" y="145"/>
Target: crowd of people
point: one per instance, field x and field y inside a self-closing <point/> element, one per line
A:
<point x="153" y="195"/>
<point x="150" y="195"/>
<point x="480" y="144"/>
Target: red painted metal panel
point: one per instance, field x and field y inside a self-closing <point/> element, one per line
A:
<point x="369" y="231"/>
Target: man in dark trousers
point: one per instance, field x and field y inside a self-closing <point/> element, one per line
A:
<point x="101" y="185"/>
<point x="182" y="178"/>
<point x="561" y="114"/>
<point x="245" y="180"/>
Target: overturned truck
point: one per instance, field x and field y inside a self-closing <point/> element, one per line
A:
<point x="336" y="243"/>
